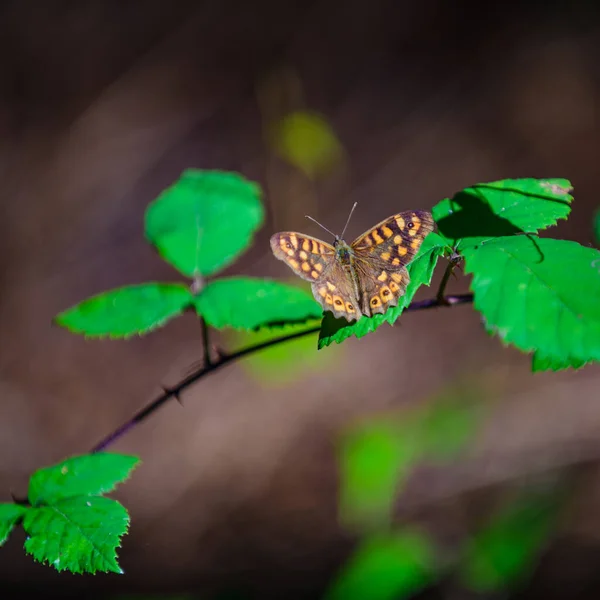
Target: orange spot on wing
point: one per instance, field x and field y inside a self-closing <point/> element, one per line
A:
<point x="305" y="267"/>
<point x="319" y="267"/>
<point x="293" y="263"/>
<point x="394" y="286"/>
<point x="386" y="256"/>
<point x="386" y="231"/>
<point x="400" y="222"/>
<point x="396" y="262"/>
<point x="306" y="245"/>
<point x="314" y="274"/>
<point x="397" y="277"/>
<point x="330" y="286"/>
<point x="322" y="292"/>
<point x="385" y="293"/>
<point x="402" y="250"/>
<point x="338" y="303"/>
<point x="383" y="276"/>
<point x="315" y="247"/>
<point x="328" y="299"/>
<point x="303" y="255"/>
<point x="294" y="241"/>
<point x="378" y="239"/>
<point x="375" y="301"/>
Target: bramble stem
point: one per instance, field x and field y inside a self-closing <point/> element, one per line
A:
<point x="224" y="359"/>
<point x="205" y="343"/>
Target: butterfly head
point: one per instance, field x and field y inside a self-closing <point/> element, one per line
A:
<point x="343" y="251"/>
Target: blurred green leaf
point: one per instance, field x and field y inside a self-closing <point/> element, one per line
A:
<point x="89" y="474"/>
<point x="126" y="311"/>
<point x="420" y="270"/>
<point x="502" y="208"/>
<point x="286" y="362"/>
<point x="376" y="456"/>
<point x="386" y="567"/>
<point x="307" y="141"/>
<point x="246" y="303"/>
<point x="79" y="534"/>
<point x="540" y="295"/>
<point x="10" y="515"/>
<point x="375" y="459"/>
<point x="503" y="553"/>
<point x="203" y="222"/>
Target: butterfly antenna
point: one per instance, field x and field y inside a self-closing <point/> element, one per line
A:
<point x="322" y="226"/>
<point x="348" y="221"/>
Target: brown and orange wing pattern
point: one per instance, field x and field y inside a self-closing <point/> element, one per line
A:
<point x="316" y="262"/>
<point x="307" y="256"/>
<point x="381" y="255"/>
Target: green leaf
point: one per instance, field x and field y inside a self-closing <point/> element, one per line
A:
<point x="503" y="553"/>
<point x="307" y="141"/>
<point x="203" y="222"/>
<point x="540" y="295"/>
<point x="386" y="567"/>
<point x="89" y="474"/>
<point x="375" y="459"/>
<point x="420" y="270"/>
<point x="126" y="311"/>
<point x="377" y="456"/>
<point x="246" y="303"/>
<point x="10" y="515"/>
<point x="502" y="208"/>
<point x="79" y="534"/>
<point x="286" y="362"/>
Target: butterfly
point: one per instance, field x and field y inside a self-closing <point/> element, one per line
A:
<point x="359" y="279"/>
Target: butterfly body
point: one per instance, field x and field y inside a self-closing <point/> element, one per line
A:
<point x="359" y="279"/>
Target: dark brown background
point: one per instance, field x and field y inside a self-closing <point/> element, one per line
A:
<point x="104" y="103"/>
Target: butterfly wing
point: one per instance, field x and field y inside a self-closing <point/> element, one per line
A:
<point x="316" y="262"/>
<point x="381" y="255"/>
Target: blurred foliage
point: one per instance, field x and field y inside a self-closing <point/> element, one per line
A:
<point x="503" y="553"/>
<point x="307" y="141"/>
<point x="385" y="567"/>
<point x="377" y="456"/>
<point x="282" y="364"/>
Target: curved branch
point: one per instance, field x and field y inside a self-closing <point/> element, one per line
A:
<point x="225" y="359"/>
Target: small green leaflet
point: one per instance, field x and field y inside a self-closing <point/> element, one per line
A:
<point x="386" y="567"/>
<point x="503" y="553"/>
<point x="10" y="515"/>
<point x="540" y="295"/>
<point x="420" y="269"/>
<point x="89" y="474"/>
<point x="126" y="311"/>
<point x="247" y="303"/>
<point x="204" y="221"/>
<point x="79" y="534"/>
<point x="70" y="525"/>
<point x="502" y="208"/>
